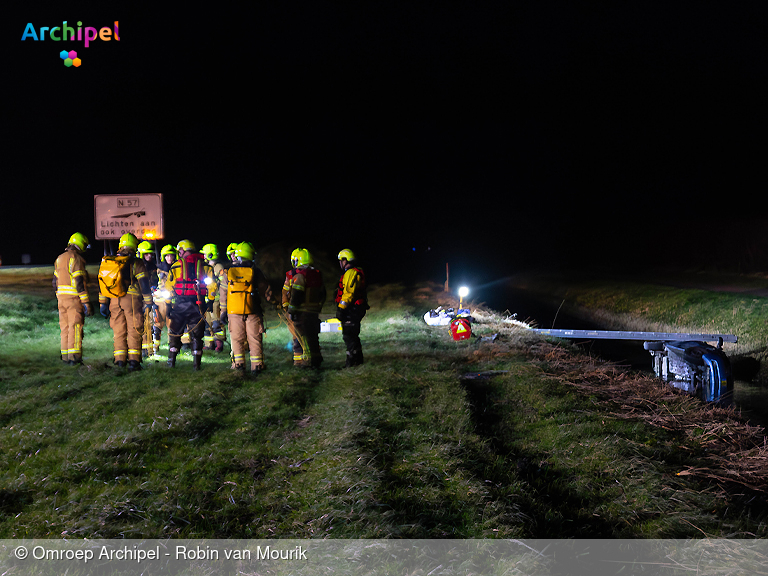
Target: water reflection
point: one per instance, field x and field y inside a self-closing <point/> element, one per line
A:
<point x="752" y="401"/>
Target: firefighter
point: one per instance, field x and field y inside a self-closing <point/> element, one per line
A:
<point x="305" y="300"/>
<point x="215" y="334"/>
<point x="191" y="285"/>
<point x="285" y="293"/>
<point x="147" y="253"/>
<point x="70" y="282"/>
<point x="231" y="252"/>
<point x="160" y="295"/>
<point x="351" y="305"/>
<point x="127" y="304"/>
<point x="240" y="294"/>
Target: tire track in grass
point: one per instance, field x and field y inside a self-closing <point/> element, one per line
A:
<point x="554" y="510"/>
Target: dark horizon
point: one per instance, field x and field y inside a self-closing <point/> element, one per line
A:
<point x="499" y="136"/>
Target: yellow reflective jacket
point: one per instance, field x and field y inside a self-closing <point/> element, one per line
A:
<point x="352" y="289"/>
<point x="69" y="275"/>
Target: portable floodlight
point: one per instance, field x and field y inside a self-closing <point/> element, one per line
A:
<point x="463" y="293"/>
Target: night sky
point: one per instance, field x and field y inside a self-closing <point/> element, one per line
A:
<point x="497" y="136"/>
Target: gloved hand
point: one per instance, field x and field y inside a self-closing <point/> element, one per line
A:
<point x="104" y="310"/>
<point x="87" y="309"/>
<point x="224" y="318"/>
<point x="149" y="307"/>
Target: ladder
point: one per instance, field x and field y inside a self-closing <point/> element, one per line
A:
<point x="646" y="336"/>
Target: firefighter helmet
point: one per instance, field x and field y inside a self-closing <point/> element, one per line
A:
<point x="244" y="251"/>
<point x="346" y="254"/>
<point x="145" y="248"/>
<point x="129" y="241"/>
<point x="79" y="241"/>
<point x="231" y="249"/>
<point x="295" y="257"/>
<point x="168" y="249"/>
<point x="304" y="257"/>
<point x="211" y="252"/>
<point x="186" y="245"/>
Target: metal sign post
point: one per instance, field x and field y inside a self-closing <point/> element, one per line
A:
<point x="118" y="214"/>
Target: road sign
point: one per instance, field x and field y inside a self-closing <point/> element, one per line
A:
<point x="140" y="214"/>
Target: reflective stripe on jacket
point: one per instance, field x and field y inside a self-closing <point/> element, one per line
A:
<point x="70" y="276"/>
<point x="307" y="290"/>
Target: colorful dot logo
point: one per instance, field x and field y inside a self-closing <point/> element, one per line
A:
<point x="70" y="58"/>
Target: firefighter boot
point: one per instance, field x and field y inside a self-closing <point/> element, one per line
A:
<point x="155" y="340"/>
<point x="172" y="352"/>
<point x="197" y="354"/>
<point x="354" y="358"/>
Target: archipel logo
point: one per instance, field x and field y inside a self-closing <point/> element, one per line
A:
<point x="70" y="58"/>
<point x="67" y="33"/>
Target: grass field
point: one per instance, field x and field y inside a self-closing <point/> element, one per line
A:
<point x="517" y="438"/>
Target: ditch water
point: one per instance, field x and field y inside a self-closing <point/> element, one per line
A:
<point x="751" y="399"/>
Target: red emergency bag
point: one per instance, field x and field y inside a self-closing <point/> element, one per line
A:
<point x="461" y="329"/>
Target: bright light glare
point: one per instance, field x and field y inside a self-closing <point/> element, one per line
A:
<point x="463" y="291"/>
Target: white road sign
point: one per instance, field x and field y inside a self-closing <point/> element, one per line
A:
<point x="140" y="214"/>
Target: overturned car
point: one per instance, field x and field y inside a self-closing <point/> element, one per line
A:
<point x="685" y="361"/>
<point x="698" y="368"/>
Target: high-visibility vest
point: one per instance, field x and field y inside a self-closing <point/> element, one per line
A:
<point x="190" y="272"/>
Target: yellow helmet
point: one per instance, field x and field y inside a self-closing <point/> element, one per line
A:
<point x="304" y="258"/>
<point x="168" y="249"/>
<point x="211" y="251"/>
<point x="146" y="248"/>
<point x="129" y="241"/>
<point x="346" y="254"/>
<point x="186" y="245"/>
<point x="295" y="257"/>
<point x="244" y="251"/>
<point x="79" y="241"/>
<point x="231" y="249"/>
